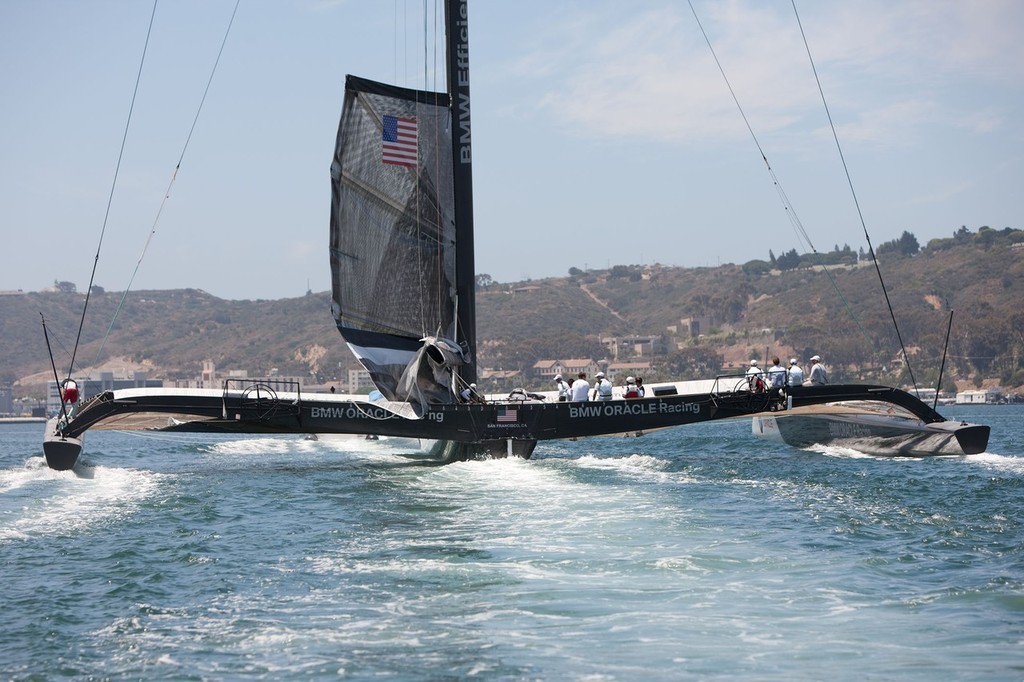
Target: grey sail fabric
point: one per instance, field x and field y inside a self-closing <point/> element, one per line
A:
<point x="393" y="235"/>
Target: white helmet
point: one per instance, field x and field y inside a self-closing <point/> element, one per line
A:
<point x="630" y="380"/>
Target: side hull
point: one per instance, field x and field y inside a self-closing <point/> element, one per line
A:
<point x="873" y="434"/>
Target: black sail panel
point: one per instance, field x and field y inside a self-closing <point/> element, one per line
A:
<point x="393" y="229"/>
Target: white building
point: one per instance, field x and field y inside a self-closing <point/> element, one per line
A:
<point x="985" y="396"/>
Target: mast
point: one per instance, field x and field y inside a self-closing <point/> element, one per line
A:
<point x="457" y="31"/>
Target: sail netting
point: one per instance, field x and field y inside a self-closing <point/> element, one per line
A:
<point x="393" y="238"/>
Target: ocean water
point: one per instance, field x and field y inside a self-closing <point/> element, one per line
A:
<point x="694" y="553"/>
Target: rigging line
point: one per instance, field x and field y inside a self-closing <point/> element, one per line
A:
<point x="853" y="192"/>
<point x="942" y="367"/>
<point x="56" y="378"/>
<point x="174" y="176"/>
<point x="110" y="197"/>
<point x="419" y="187"/>
<point x="794" y="219"/>
<point x="426" y="24"/>
<point x="440" y="287"/>
<point x="443" y="291"/>
<point x="437" y="6"/>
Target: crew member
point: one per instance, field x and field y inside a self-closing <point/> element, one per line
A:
<point x="755" y="377"/>
<point x="564" y="390"/>
<point x="776" y="374"/>
<point x="469" y="395"/>
<point x="581" y="388"/>
<point x="819" y="377"/>
<point x="796" y="375"/>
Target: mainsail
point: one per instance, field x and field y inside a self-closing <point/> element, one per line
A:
<point x="393" y="237"/>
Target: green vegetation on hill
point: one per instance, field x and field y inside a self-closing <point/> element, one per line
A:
<point x="743" y="311"/>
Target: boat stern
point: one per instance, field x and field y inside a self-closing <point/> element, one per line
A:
<point x="973" y="438"/>
<point x="60" y="451"/>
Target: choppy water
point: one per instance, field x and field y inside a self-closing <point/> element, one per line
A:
<point x="696" y="553"/>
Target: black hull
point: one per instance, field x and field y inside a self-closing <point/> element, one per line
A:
<point x="60" y="451"/>
<point x="873" y="434"/>
<point x="489" y="425"/>
<point x="493" y="429"/>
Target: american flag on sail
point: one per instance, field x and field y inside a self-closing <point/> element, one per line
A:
<point x="508" y="414"/>
<point x="399" y="141"/>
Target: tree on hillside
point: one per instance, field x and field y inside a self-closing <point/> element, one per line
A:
<point x="788" y="261"/>
<point x="962" y="236"/>
<point x="756" y="268"/>
<point x="986" y="237"/>
<point x="694" y="362"/>
<point x="906" y="245"/>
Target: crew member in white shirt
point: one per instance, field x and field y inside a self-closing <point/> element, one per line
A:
<point x="754" y="374"/>
<point x="581" y="389"/>
<point x="564" y="390"/>
<point x="776" y="375"/>
<point x="796" y="375"/>
<point x="819" y="377"/>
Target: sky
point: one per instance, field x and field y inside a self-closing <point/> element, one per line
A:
<point x="603" y="132"/>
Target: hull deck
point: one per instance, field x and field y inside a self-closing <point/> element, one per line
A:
<point x="494" y="428"/>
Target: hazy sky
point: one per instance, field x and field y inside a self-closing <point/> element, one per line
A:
<point x="603" y="132"/>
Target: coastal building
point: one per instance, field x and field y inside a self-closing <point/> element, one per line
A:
<point x="634" y="345"/>
<point x="985" y="396"/>
<point x="499" y="380"/>
<point x="618" y="371"/>
<point x="6" y="401"/>
<point x="545" y="370"/>
<point x="359" y="381"/>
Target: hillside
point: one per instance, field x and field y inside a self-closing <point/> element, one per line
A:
<point x="743" y="312"/>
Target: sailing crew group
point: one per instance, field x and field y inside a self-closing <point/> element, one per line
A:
<point x="780" y="377"/>
<point x="776" y="379"/>
<point x="580" y="389"/>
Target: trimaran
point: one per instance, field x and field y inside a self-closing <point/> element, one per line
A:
<point x="403" y="278"/>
